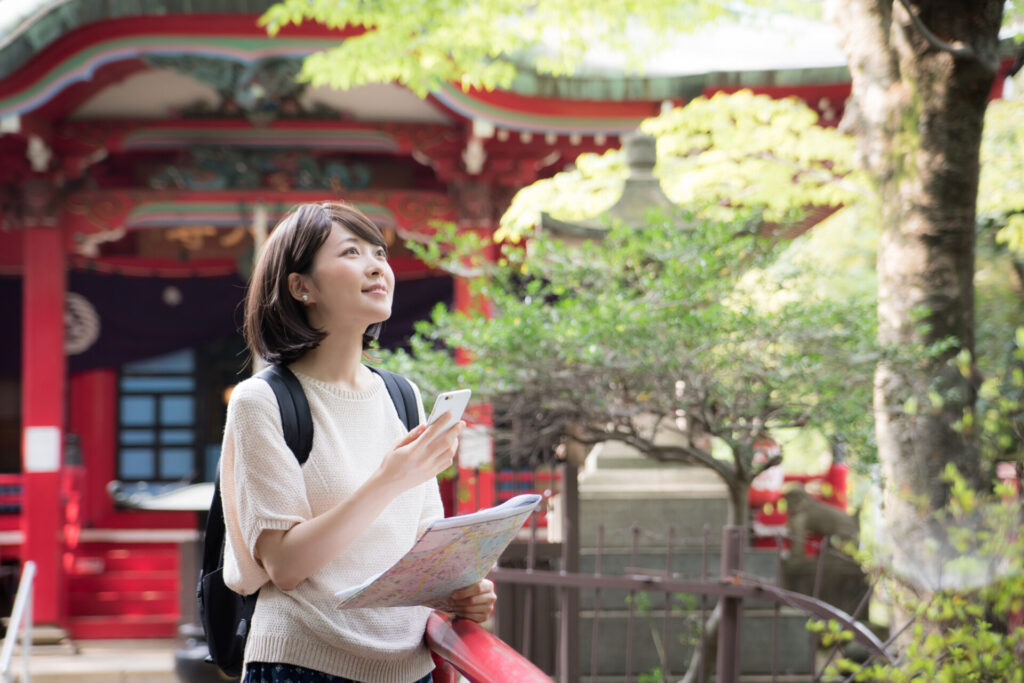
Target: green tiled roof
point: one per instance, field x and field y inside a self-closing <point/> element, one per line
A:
<point x="32" y="33"/>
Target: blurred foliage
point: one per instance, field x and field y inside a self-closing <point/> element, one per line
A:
<point x="971" y="628"/>
<point x="1001" y="190"/>
<point x="682" y="605"/>
<point x="998" y="416"/>
<point x="482" y="43"/>
<point x="671" y="319"/>
<point x="719" y="157"/>
<point x="707" y="151"/>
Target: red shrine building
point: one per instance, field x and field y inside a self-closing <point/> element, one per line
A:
<point x="146" y="149"/>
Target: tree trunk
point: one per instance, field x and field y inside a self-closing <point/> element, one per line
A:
<point x="739" y="503"/>
<point x="921" y="84"/>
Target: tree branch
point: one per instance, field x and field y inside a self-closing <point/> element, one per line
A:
<point x="957" y="50"/>
<point x="771" y="462"/>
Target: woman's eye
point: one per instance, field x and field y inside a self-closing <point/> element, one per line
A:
<point x="350" y="250"/>
<point x="382" y="253"/>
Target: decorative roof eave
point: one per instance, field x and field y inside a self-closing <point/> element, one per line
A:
<point x="42" y="80"/>
<point x="95" y="216"/>
<point x="49" y="24"/>
<point x="85" y="137"/>
<point x="543" y="115"/>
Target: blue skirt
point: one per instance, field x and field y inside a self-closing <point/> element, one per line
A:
<point x="265" y="672"/>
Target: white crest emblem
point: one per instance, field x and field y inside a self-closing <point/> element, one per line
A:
<point x="81" y="324"/>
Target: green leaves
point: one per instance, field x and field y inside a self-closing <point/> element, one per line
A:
<point x="1001" y="190"/>
<point x="961" y="632"/>
<point x="665" y="320"/>
<point x="721" y="157"/>
<point x="482" y="43"/>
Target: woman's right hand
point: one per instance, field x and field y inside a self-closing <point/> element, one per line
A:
<point x="422" y="454"/>
<point x="292" y="556"/>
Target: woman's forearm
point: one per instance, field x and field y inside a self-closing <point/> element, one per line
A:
<point x="291" y="556"/>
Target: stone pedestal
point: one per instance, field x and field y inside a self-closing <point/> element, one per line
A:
<point x="619" y="487"/>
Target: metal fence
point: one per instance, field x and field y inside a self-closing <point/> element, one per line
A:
<point x="21" y="621"/>
<point x="691" y="617"/>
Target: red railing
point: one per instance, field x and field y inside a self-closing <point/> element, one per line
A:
<point x="462" y="646"/>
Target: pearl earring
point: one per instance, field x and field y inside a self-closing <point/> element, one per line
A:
<point x="305" y="297"/>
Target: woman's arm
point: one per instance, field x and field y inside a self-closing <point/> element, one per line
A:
<point x="293" y="555"/>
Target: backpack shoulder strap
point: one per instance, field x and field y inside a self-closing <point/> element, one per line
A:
<point x="296" y="420"/>
<point x="213" y="539"/>
<point x="402" y="395"/>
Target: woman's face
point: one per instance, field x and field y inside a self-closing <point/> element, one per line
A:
<point x="350" y="283"/>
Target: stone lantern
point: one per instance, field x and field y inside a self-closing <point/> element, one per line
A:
<point x="641" y="193"/>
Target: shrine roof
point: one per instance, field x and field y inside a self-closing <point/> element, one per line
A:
<point x="29" y="26"/>
<point x="49" y="46"/>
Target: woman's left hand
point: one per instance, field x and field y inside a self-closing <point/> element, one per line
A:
<point x="474" y="602"/>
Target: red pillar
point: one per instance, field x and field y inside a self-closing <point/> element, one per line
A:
<point x="93" y="406"/>
<point x="476" y="478"/>
<point x="43" y="398"/>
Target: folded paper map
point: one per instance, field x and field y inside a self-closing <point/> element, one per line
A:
<point x="452" y="553"/>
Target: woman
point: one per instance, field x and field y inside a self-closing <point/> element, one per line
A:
<point x="299" y="533"/>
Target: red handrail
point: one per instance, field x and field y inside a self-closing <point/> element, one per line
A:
<point x="476" y="653"/>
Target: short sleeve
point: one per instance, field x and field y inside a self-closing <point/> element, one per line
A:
<point x="262" y="485"/>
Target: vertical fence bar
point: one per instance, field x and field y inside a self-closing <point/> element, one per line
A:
<point x="635" y="529"/>
<point x="668" y="607"/>
<point x="703" y="603"/>
<point x="776" y="609"/>
<point x="569" y="633"/>
<point x="26" y="634"/>
<point x="527" y="624"/>
<point x="823" y="545"/>
<point x="597" y="604"/>
<point x="729" y="621"/>
<point x="563" y="633"/>
<point x="21" y="618"/>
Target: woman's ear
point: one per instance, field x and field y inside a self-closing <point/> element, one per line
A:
<point x="298" y="287"/>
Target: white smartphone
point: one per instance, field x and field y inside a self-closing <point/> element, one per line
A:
<point x="449" y="406"/>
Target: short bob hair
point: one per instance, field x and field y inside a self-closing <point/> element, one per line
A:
<point x="276" y="327"/>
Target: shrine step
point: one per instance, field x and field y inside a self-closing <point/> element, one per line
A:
<point x="101" y="627"/>
<point x="124" y="590"/>
<point x="124" y="602"/>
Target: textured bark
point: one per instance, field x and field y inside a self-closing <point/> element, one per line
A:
<point x="739" y="502"/>
<point x="920" y="87"/>
<point x="919" y="105"/>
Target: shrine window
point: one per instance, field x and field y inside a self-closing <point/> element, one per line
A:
<point x="157" y="418"/>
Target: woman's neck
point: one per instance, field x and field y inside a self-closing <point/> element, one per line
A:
<point x="337" y="360"/>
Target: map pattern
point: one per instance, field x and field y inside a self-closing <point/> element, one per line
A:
<point x="453" y="553"/>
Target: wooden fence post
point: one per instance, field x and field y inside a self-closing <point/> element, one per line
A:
<point x="728" y="665"/>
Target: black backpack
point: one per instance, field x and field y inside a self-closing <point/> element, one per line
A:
<point x="224" y="613"/>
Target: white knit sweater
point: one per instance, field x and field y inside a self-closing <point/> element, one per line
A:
<point x="264" y="487"/>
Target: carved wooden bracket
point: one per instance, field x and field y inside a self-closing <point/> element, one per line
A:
<point x="33" y="203"/>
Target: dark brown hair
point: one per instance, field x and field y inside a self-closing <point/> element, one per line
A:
<point x="276" y="327"/>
